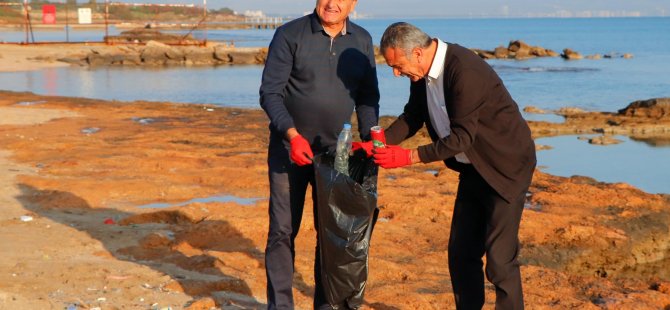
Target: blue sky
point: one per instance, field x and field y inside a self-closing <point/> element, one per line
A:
<point x="459" y="8"/>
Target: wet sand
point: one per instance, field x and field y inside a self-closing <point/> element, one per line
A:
<point x="81" y="168"/>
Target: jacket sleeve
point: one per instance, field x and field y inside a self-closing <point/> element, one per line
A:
<point x="465" y="97"/>
<point x="412" y="118"/>
<point x="275" y="78"/>
<point x="367" y="102"/>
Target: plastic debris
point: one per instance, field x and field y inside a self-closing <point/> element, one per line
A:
<point x="109" y="221"/>
<point x="26" y="218"/>
<point x="143" y="120"/>
<point x="27" y="103"/>
<point x="90" y="130"/>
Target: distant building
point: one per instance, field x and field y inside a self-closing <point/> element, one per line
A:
<point x="258" y="14"/>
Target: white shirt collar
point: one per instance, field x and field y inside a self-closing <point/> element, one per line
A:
<point x="438" y="62"/>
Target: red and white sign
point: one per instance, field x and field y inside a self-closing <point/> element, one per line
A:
<point x="48" y="14"/>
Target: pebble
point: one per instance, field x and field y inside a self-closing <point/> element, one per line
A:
<point x="90" y="130"/>
<point x="26" y="218"/>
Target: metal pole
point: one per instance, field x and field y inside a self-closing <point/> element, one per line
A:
<point x="106" y="20"/>
<point x="204" y="18"/>
<point x="67" y="22"/>
<point x="25" y="7"/>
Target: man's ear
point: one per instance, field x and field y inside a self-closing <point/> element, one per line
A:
<point x="418" y="53"/>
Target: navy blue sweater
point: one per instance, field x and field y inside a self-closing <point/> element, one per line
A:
<point x="313" y="83"/>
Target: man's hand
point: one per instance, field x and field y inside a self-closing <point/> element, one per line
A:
<point x="393" y="156"/>
<point x="301" y="153"/>
<point x="367" y="146"/>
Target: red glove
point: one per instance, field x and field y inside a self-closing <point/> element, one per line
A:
<point x="301" y="153"/>
<point x="367" y="146"/>
<point x="393" y="156"/>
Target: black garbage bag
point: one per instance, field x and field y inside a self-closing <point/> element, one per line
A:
<point x="346" y="214"/>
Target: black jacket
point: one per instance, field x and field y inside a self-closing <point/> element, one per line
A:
<point x="485" y="124"/>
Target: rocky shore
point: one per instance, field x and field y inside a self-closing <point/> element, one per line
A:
<point x="645" y="120"/>
<point x="520" y="50"/>
<point x="81" y="224"/>
<point x="150" y="47"/>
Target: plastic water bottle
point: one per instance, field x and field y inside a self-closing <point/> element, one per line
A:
<point x="343" y="149"/>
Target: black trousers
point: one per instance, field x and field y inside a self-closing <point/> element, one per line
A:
<point x="484" y="223"/>
<point x="288" y="185"/>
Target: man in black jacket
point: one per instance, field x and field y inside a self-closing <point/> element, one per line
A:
<point x="477" y="129"/>
<point x="320" y="68"/>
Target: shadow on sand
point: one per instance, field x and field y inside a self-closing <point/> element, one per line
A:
<point x="187" y="249"/>
<point x="159" y="240"/>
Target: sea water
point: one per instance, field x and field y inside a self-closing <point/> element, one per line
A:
<point x="547" y="83"/>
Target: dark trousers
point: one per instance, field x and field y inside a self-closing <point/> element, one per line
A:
<point x="484" y="223"/>
<point x="288" y="185"/>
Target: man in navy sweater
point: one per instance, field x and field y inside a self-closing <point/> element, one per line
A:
<point x="320" y="68"/>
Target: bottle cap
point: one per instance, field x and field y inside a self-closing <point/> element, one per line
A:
<point x="346" y="126"/>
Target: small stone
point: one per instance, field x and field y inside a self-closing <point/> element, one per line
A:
<point x="604" y="140"/>
<point x="26" y="218"/>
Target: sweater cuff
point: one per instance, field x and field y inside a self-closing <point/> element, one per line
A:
<point x="425" y="154"/>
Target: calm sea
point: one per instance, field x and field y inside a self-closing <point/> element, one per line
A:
<point x="548" y="83"/>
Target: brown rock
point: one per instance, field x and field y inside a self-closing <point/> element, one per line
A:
<point x="538" y="51"/>
<point x="142" y="35"/>
<point x="244" y="57"/>
<point x="571" y="55"/>
<point x="132" y="59"/>
<point x="552" y="53"/>
<point x="202" y="304"/>
<point x="94" y="59"/>
<point x="154" y="55"/>
<point x="482" y="53"/>
<point x="565" y="111"/>
<point x="534" y="110"/>
<point x="199" y="55"/>
<point x="155" y="240"/>
<point x="501" y="52"/>
<point x="519" y="47"/>
<point x="653" y="108"/>
<point x="542" y="147"/>
<point x="604" y="140"/>
<point x="221" y="53"/>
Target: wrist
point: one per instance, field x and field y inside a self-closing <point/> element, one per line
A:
<point x="291" y="133"/>
<point x="414" y="156"/>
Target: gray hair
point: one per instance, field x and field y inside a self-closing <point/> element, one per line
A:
<point x="404" y="36"/>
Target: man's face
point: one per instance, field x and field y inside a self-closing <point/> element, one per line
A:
<point x="334" y="12"/>
<point x="403" y="66"/>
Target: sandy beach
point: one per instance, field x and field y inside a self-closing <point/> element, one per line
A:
<point x="80" y="225"/>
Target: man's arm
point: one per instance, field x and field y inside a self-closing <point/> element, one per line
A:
<point x="367" y="103"/>
<point x="275" y="77"/>
<point x="412" y="118"/>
